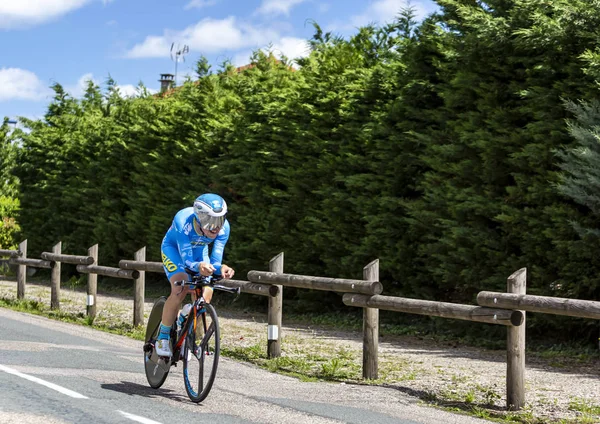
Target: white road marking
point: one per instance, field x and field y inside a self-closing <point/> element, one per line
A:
<point x="52" y="386"/>
<point x="138" y="419"/>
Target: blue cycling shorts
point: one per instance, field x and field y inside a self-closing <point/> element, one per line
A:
<point x="171" y="260"/>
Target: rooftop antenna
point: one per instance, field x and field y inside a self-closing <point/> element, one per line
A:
<point x="180" y="52"/>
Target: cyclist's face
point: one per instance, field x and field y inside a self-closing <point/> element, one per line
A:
<point x="212" y="234"/>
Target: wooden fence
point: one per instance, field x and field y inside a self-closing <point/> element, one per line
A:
<point x="506" y="309"/>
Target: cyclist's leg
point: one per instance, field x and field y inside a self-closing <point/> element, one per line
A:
<point x="173" y="266"/>
<point x="207" y="293"/>
<point x="174" y="300"/>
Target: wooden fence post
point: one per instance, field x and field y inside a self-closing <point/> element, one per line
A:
<point x="370" y="328"/>
<point x="515" y="348"/>
<point x="55" y="279"/>
<point x="139" y="290"/>
<point x="22" y="272"/>
<point x="275" y="312"/>
<point x="92" y="287"/>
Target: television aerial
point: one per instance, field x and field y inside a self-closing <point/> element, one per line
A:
<point x="177" y="53"/>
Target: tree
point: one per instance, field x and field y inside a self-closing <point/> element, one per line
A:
<point x="580" y="180"/>
<point x="202" y="67"/>
<point x="9" y="202"/>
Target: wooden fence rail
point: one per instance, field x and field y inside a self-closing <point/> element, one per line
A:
<point x="34" y="263"/>
<point x="252" y="288"/>
<point x="9" y="253"/>
<point x="544" y="304"/>
<point x="142" y="265"/>
<point x="317" y="283"/>
<point x="436" y="309"/>
<point x="108" y="271"/>
<point x="68" y="259"/>
<point x="494" y="308"/>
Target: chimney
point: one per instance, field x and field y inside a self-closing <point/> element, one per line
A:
<point x="167" y="81"/>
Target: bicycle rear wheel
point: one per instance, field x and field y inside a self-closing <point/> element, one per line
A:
<point x="201" y="355"/>
<point x="157" y="369"/>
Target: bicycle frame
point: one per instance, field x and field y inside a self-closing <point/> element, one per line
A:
<point x="199" y="282"/>
<point x="198" y="291"/>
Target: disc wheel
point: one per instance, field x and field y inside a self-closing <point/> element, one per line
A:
<point x="157" y="368"/>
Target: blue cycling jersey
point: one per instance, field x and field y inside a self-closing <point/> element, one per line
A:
<point x="191" y="245"/>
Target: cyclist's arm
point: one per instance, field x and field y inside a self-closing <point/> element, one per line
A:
<point x="216" y="256"/>
<point x="205" y="257"/>
<point x="185" y="247"/>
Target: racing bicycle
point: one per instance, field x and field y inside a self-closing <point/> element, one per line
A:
<point x="196" y="343"/>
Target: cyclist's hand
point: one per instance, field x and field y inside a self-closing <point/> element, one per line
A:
<point x="206" y="268"/>
<point x="227" y="271"/>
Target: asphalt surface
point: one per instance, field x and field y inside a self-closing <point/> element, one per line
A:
<point x="54" y="372"/>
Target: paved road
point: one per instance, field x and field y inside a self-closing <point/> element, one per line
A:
<point x="53" y="372"/>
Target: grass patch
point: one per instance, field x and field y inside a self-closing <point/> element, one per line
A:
<point x="37" y="308"/>
<point x="561" y="356"/>
<point x="299" y="364"/>
<point x="337" y="369"/>
<point x="252" y="353"/>
<point x="27" y="305"/>
<point x="287" y="364"/>
<point x="589" y="412"/>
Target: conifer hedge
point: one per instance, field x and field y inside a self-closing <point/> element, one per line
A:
<point x="443" y="148"/>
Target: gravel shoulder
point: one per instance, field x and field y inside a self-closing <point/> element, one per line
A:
<point x="558" y="389"/>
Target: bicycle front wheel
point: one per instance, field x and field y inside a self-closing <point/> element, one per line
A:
<point x="201" y="354"/>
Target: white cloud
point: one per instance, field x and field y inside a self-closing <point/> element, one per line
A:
<point x="199" y="4"/>
<point x="78" y="90"/>
<point x="277" y="7"/>
<point x="129" y="90"/>
<point x="17" y="13"/>
<point x="324" y="7"/>
<point x="207" y="36"/>
<point x="291" y="47"/>
<point x="382" y="11"/>
<point x="21" y="84"/>
<point x="153" y="46"/>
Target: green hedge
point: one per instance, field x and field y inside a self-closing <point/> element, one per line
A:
<point x="432" y="147"/>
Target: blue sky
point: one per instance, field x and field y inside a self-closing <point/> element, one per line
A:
<point x="71" y="41"/>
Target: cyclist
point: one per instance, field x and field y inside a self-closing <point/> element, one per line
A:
<point x="185" y="245"/>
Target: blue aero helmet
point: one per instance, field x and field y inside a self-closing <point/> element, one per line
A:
<point x="210" y="210"/>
